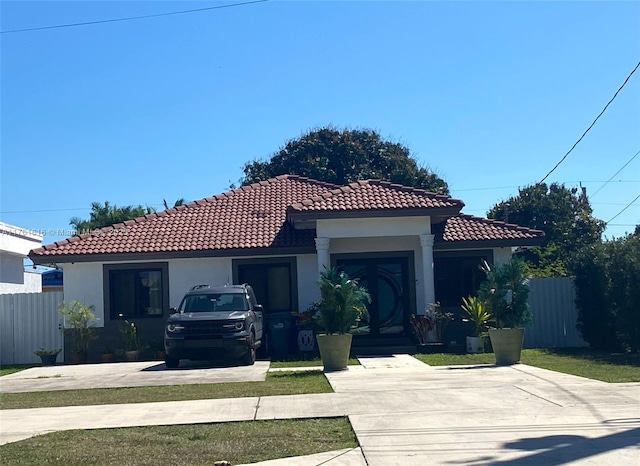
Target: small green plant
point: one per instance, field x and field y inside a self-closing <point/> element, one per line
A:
<point x="477" y="313"/>
<point x="130" y="335"/>
<point x="78" y="324"/>
<point x="47" y="352"/>
<point x="342" y="303"/>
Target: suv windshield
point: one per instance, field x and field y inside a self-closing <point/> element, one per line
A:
<point x="214" y="302"/>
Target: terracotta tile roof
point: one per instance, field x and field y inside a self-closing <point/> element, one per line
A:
<point x="467" y="228"/>
<point x="252" y="216"/>
<point x="372" y="195"/>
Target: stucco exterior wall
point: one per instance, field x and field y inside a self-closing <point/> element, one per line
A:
<point x="83" y="282"/>
<point x="501" y="255"/>
<point x="308" y="291"/>
<point x="373" y="227"/>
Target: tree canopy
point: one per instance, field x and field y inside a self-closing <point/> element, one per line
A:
<point x="342" y="157"/>
<point x="102" y="215"/>
<point x="563" y="214"/>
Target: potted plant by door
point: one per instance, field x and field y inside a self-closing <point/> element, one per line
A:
<point x="78" y="325"/>
<point x="505" y="293"/>
<point x="479" y="317"/>
<point x="109" y="355"/>
<point x="341" y="306"/>
<point x="129" y="333"/>
<point x="48" y="356"/>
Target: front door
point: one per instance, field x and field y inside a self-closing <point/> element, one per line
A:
<point x="387" y="280"/>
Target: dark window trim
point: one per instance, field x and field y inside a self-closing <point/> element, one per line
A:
<point x="164" y="270"/>
<point x="293" y="272"/>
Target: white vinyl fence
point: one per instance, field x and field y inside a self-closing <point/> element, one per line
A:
<point x="554" y="313"/>
<point x="29" y="321"/>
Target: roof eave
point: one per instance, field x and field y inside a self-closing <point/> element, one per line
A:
<point x="483" y="244"/>
<point x="296" y="215"/>
<point x="165" y="255"/>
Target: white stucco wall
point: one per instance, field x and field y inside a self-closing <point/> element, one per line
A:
<point x="15" y="244"/>
<point x="501" y="255"/>
<point x="308" y="291"/>
<point x="83" y="282"/>
<point x="30" y="282"/>
<point x="373" y="227"/>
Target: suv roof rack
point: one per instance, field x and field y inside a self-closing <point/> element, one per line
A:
<point x="197" y="287"/>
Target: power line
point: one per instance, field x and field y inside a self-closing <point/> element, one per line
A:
<point x="590" y="126"/>
<point x="628" y="205"/>
<point x="131" y="18"/>
<point x="612" y="176"/>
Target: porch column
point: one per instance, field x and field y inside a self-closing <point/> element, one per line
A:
<point x="426" y="241"/>
<point x="322" y="248"/>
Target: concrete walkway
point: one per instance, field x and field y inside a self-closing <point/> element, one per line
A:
<point x="407" y="413"/>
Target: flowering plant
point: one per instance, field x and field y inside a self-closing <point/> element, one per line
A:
<point x="433" y="320"/>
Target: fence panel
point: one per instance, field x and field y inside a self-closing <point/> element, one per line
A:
<point x="554" y="312"/>
<point x="29" y="321"/>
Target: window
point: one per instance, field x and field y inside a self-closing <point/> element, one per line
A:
<point x="136" y="290"/>
<point x="458" y="275"/>
<point x="272" y="280"/>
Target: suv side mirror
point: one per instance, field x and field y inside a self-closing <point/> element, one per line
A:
<point x="172" y="310"/>
<point x="258" y="307"/>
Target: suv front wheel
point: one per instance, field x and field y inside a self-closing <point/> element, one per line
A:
<point x="171" y="363"/>
<point x="249" y="357"/>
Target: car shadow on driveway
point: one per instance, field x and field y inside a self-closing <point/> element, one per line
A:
<point x="190" y="365"/>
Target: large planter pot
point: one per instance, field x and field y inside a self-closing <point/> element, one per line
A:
<point x="475" y="345"/>
<point x="334" y="351"/>
<point x="79" y="358"/>
<point x="48" y="359"/>
<point x="108" y="357"/>
<point x="507" y="344"/>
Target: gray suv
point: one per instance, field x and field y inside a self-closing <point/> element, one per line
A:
<point x="212" y="321"/>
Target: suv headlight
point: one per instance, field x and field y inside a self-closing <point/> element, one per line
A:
<point x="239" y="325"/>
<point x="174" y="328"/>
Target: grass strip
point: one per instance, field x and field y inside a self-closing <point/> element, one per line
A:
<point x="583" y="362"/>
<point x="311" y="362"/>
<point x="6" y="370"/>
<point x="236" y="442"/>
<point x="278" y="383"/>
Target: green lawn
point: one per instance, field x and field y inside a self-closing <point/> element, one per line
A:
<point x="278" y="383"/>
<point x="303" y="362"/>
<point x="236" y="442"/>
<point x="6" y="370"/>
<point x="584" y="362"/>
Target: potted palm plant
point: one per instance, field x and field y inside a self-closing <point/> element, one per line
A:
<point x="505" y="293"/>
<point x="479" y="317"/>
<point x="341" y="306"/>
<point x="78" y="325"/>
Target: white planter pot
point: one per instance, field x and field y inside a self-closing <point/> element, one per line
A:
<point x="475" y="345"/>
<point x="334" y="351"/>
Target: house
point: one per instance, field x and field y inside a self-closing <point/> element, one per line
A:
<point x="15" y="244"/>
<point x="409" y="247"/>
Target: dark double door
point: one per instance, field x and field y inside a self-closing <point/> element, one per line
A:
<point x="387" y="280"/>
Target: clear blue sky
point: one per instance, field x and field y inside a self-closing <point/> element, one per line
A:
<point x="490" y="95"/>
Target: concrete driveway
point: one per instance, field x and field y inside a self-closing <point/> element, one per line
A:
<point x="128" y="374"/>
